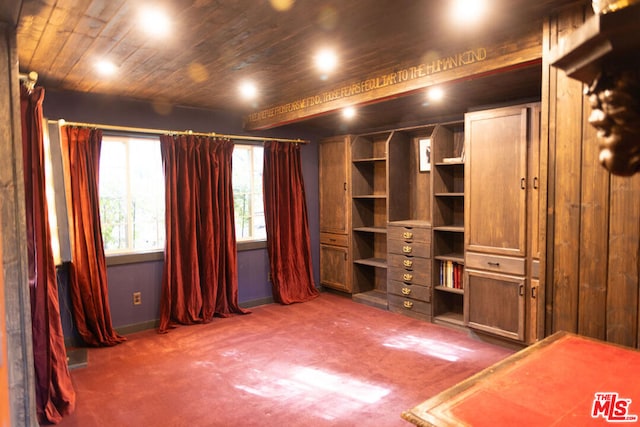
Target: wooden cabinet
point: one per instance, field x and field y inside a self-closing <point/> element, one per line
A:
<point x="448" y="189"/>
<point x="409" y="268"/>
<point x="499" y="180"/>
<point x="335" y="213"/>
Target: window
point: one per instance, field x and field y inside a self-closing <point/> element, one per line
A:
<point x="131" y="194"/>
<point x="247" y="192"/>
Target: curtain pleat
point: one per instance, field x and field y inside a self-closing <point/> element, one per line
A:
<point x="200" y="277"/>
<point x="55" y="396"/>
<point x="88" y="274"/>
<point x="288" y="241"/>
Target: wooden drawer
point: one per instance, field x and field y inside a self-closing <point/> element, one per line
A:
<point x="417" y="277"/>
<point x="409" y="307"/>
<point x="409" y="234"/>
<point x="334" y="239"/>
<point x="409" y="263"/>
<point x="405" y="290"/>
<point x="401" y="247"/>
<point x="497" y="263"/>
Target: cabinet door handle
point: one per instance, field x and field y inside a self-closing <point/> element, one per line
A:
<point x="534" y="293"/>
<point x="345" y="186"/>
<point x="493" y="264"/>
<point x="406" y="249"/>
<point x="407" y="277"/>
<point x="523" y="183"/>
<point x="521" y="290"/>
<point x="535" y="182"/>
<point x="408" y="304"/>
<point x="406" y="291"/>
<point x="407" y="263"/>
<point x="345" y="256"/>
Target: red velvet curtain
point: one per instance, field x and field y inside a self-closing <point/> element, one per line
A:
<point x="55" y="396"/>
<point x="200" y="278"/>
<point x="288" y="241"/>
<point x="88" y="275"/>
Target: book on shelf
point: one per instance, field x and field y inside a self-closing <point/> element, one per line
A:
<point x="451" y="275"/>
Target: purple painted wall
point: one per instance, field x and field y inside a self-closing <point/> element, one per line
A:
<point x="253" y="265"/>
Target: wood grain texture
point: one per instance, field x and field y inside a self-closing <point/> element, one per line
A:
<point x="592" y="219"/>
<point x="212" y="46"/>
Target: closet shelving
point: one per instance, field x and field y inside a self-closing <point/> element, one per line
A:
<point x="448" y="223"/>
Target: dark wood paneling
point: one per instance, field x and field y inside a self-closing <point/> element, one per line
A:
<point x="593" y="246"/>
<point x="592" y="219"/>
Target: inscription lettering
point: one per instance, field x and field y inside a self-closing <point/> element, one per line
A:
<point x="370" y="84"/>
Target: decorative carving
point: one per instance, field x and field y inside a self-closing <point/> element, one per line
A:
<point x="615" y="102"/>
<point x="603" y="53"/>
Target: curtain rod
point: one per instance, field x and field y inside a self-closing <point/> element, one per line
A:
<point x="63" y="122"/>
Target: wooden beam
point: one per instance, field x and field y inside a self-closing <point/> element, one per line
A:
<point x="9" y="11"/>
<point x="404" y="79"/>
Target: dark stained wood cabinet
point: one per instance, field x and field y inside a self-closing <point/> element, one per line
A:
<point x="409" y="268"/>
<point x="335" y="213"/>
<point x="500" y="295"/>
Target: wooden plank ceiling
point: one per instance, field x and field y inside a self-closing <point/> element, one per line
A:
<point x="213" y="45"/>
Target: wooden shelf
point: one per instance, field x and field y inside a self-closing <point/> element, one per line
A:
<point x="369" y="160"/>
<point x="447" y="289"/>
<point x="375" y="298"/>
<point x="456" y="257"/>
<point x="449" y="164"/>
<point x="373" y="262"/>
<point x="450" y="318"/>
<point x="450" y="228"/>
<point x="380" y="230"/>
<point x="370" y="196"/>
<point x="449" y="194"/>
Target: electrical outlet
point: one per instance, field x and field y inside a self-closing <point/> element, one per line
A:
<point x="137" y="298"/>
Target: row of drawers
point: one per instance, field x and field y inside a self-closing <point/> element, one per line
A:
<point x="409" y="270"/>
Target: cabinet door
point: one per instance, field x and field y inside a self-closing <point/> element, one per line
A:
<point x="334" y="267"/>
<point x="496" y="180"/>
<point x="334" y="202"/>
<point x="495" y="303"/>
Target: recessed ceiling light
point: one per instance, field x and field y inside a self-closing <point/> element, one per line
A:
<point x="282" y="5"/>
<point x="155" y="21"/>
<point x="468" y="11"/>
<point x="435" y="94"/>
<point x="348" y="112"/>
<point x="105" y="67"/>
<point x="248" y="90"/>
<point x="326" y="60"/>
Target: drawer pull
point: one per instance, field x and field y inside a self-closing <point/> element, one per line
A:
<point x="407" y="263"/>
<point x="407" y="277"/>
<point x="407" y="235"/>
<point x="406" y="291"/>
<point x="493" y="264"/>
<point x="408" y="304"/>
<point x="407" y="249"/>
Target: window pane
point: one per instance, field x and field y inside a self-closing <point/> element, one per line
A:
<point x="131" y="194"/>
<point x="247" y="192"/>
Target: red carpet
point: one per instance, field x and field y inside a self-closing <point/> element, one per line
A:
<point x="327" y="362"/>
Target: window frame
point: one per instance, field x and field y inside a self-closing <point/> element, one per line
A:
<point x="143" y="255"/>
<point x="253" y="243"/>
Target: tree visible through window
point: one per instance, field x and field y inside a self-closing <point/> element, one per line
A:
<point x="131" y="190"/>
<point x="247" y="192"/>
